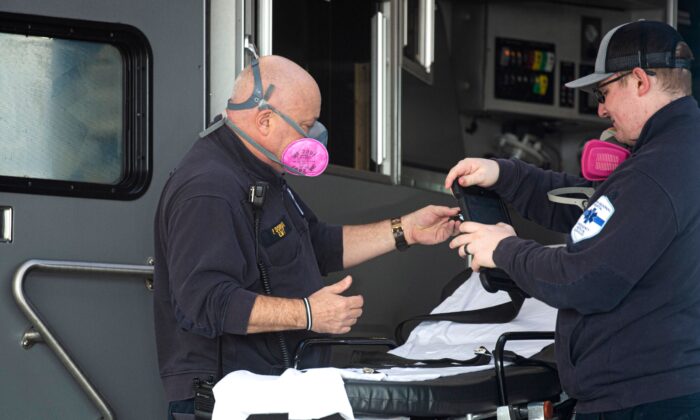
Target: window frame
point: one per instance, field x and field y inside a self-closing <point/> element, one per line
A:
<point x="137" y="107"/>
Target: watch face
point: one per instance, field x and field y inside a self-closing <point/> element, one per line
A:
<point x="399" y="237"/>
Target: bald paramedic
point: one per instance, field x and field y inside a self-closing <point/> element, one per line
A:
<point x="627" y="283"/>
<point x="240" y="257"/>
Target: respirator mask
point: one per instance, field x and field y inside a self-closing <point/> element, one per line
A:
<point x="599" y="159"/>
<point x="306" y="156"/>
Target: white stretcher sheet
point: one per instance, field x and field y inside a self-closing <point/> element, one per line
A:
<point x="445" y="339"/>
<point x="313" y="394"/>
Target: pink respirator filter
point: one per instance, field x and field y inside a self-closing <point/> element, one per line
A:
<point x="308" y="156"/>
<point x="600" y="159"/>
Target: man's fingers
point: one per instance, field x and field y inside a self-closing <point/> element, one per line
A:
<point x="343" y="325"/>
<point x="464" y="172"/>
<point x="460" y="169"/>
<point x="355" y="302"/>
<point x="332" y="312"/>
<point x="449" y="179"/>
<point x="340" y="286"/>
<point x="470" y="227"/>
<point x="469" y="179"/>
<point x="445" y="211"/>
<point x="460" y="241"/>
<point x="465" y="250"/>
<point x="352" y="317"/>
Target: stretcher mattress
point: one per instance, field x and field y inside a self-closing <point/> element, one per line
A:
<point x="456" y="395"/>
<point x="475" y="390"/>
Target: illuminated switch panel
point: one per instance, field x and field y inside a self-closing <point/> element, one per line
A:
<point x="525" y="71"/>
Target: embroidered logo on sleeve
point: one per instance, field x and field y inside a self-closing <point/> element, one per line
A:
<point x="593" y="220"/>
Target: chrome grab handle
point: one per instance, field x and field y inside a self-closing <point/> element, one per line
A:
<point x="40" y="332"/>
<point x="240" y="36"/>
<point x="672" y="13"/>
<point x="264" y="39"/>
<point x="426" y="34"/>
<point x="249" y="32"/>
<point x="379" y="59"/>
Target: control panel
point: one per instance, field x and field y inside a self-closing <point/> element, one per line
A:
<point x="524" y="71"/>
<point x="567" y="73"/>
<point x="516" y="57"/>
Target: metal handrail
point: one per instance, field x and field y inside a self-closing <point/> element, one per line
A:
<point x="41" y="332"/>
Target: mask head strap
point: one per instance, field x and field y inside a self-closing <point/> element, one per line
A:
<point x="558" y="196"/>
<point x="255" y="144"/>
<point x="317" y="131"/>
<point x="256" y="98"/>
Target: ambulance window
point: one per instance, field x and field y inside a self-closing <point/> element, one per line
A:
<point x="73" y="112"/>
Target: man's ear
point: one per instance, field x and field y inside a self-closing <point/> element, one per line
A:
<point x="643" y="81"/>
<point x="263" y="121"/>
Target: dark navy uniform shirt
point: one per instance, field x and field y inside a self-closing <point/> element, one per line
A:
<point x="206" y="277"/>
<point x="627" y="284"/>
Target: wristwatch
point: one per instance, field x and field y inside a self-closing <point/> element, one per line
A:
<point x="399" y="237"/>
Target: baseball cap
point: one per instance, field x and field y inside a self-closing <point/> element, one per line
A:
<point x="644" y="44"/>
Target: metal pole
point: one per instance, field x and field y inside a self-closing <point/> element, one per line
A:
<point x="672" y="13"/>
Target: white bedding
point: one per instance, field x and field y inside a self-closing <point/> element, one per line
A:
<point x="444" y="339"/>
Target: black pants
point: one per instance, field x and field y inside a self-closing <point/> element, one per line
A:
<point x="681" y="408"/>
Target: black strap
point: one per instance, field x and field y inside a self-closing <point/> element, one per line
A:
<point x="384" y="360"/>
<point x="454" y="283"/>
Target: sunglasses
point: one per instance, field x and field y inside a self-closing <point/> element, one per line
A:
<point x="600" y="96"/>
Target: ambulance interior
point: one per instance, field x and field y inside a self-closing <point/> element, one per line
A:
<point x="494" y="88"/>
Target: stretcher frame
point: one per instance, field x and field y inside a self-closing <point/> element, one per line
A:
<point x="474" y="395"/>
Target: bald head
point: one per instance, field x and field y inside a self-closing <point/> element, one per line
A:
<point x="292" y="83"/>
<point x="296" y="95"/>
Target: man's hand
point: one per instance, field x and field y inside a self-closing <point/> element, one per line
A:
<point x="333" y="313"/>
<point x="430" y="225"/>
<point x="480" y="241"/>
<point x="473" y="171"/>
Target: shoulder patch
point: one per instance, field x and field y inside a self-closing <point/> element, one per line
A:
<point x="593" y="220"/>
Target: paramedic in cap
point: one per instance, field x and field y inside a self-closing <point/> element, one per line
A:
<point x="207" y="280"/>
<point x="627" y="283"/>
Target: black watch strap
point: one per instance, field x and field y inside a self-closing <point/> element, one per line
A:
<point x="399" y="237"/>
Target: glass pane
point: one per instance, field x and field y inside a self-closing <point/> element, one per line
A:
<point x="60" y="109"/>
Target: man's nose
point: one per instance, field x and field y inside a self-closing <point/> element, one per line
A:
<point x="602" y="111"/>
